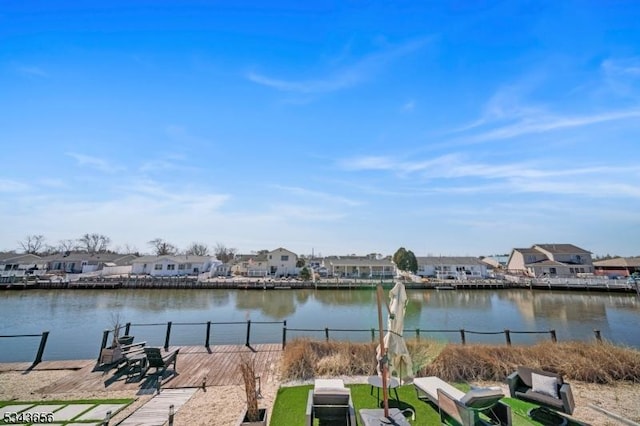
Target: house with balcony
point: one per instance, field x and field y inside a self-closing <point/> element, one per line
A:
<point x="451" y="267"/>
<point x="250" y="265"/>
<point x="550" y="260"/>
<point x="367" y="267"/>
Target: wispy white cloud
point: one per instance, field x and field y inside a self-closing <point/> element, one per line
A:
<point x="32" y="71"/>
<point x="409" y="106"/>
<point x="451" y="173"/>
<point x="317" y="195"/>
<point x="97" y="163"/>
<point x="340" y="78"/>
<point x="549" y="123"/>
<point x="10" y="185"/>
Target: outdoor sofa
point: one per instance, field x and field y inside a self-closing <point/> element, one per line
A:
<point x="541" y="387"/>
<point x="464" y="408"/>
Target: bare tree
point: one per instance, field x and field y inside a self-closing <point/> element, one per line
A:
<point x="198" y="249"/>
<point x="223" y="253"/>
<point x="163" y="248"/>
<point x="67" y="246"/>
<point x="32" y="244"/>
<point x="130" y="249"/>
<point x="94" y="243"/>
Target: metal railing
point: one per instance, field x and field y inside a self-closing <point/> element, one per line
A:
<point x="43" y="343"/>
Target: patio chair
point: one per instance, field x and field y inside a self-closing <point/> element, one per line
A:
<point x="156" y="360"/>
<point x="464" y="408"/>
<point x="541" y="387"/>
<point x="133" y="359"/>
<point x="330" y="401"/>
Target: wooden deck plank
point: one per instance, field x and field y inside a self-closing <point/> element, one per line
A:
<point x="218" y="365"/>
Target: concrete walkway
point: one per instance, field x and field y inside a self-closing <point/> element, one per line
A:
<point x="156" y="411"/>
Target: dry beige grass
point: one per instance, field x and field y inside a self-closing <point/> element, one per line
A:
<point x="587" y="362"/>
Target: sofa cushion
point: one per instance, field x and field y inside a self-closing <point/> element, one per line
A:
<point x="547" y="385"/>
<point x="540" y="398"/>
<point x="480" y="398"/>
<point x="524" y="373"/>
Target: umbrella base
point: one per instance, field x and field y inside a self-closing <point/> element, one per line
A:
<point x="375" y="417"/>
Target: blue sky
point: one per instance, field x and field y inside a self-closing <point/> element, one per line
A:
<point x="338" y="127"/>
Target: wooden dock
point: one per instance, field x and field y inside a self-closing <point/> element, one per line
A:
<point x="196" y="366"/>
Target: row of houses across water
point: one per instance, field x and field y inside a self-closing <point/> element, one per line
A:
<point x="540" y="260"/>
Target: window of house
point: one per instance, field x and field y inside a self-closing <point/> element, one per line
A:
<point x="171" y="267"/>
<point x="158" y="266"/>
<point x="188" y="265"/>
<point x="144" y="266"/>
<point x="571" y="270"/>
<point x="284" y="257"/>
<point x="181" y="266"/>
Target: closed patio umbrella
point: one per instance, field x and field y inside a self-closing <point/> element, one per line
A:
<point x="397" y="352"/>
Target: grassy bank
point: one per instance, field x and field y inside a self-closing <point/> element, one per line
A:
<point x="589" y="362"/>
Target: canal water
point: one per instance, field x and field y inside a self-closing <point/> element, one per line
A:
<point x="76" y="319"/>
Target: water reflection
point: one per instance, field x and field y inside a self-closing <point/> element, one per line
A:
<point x="76" y="319"/>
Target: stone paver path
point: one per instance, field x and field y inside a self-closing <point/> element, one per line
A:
<point x="68" y="415"/>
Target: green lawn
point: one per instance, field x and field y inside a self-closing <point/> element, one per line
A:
<point x="291" y="402"/>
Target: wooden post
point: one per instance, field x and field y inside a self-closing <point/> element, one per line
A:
<point x="171" y="414"/>
<point x="43" y="343"/>
<point x="248" y="340"/>
<point x="553" y="336"/>
<point x="284" y="334"/>
<point x="107" y="418"/>
<point x="383" y="353"/>
<point x="373" y="334"/>
<point x="417" y="334"/>
<point x="167" y="337"/>
<point x="462" y="337"/>
<point x="105" y="337"/>
<point x="507" y="335"/>
<point x="207" y="341"/>
<point x="326" y="334"/>
<point x="127" y="328"/>
<point x="598" y="336"/>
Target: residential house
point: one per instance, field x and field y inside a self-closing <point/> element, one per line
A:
<point x="173" y="265"/>
<point x="550" y="260"/>
<point x="250" y="265"/>
<point x="617" y="267"/>
<point x="282" y="262"/>
<point x="83" y="262"/>
<point x="19" y="265"/>
<point x="359" y="267"/>
<point x="451" y="267"/>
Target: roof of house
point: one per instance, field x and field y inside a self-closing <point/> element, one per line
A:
<point x="620" y="262"/>
<point x="562" y="248"/>
<point x="247" y="257"/>
<point x="181" y="258"/>
<point x="20" y="258"/>
<point x="77" y="256"/>
<point x="449" y="260"/>
<point x="356" y="261"/>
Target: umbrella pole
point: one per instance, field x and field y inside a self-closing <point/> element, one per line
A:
<point x="383" y="351"/>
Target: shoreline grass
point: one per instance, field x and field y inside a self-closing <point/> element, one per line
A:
<point x="600" y="363"/>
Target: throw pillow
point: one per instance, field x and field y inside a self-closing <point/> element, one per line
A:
<point x="545" y="385"/>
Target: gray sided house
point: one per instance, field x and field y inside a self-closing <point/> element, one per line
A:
<point x="451" y="267"/>
<point x="19" y="265"/>
<point x="551" y="260"/>
<point x="79" y="262"/>
<point x="172" y="266"/>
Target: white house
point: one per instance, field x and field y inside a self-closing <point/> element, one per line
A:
<point x="282" y="262"/>
<point x="444" y="267"/>
<point x="359" y="267"/>
<point x="173" y="265"/>
<point x="250" y="265"/>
